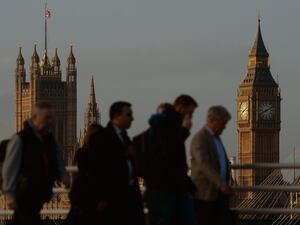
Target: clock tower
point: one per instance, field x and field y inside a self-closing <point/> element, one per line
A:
<point x="258" y="115"/>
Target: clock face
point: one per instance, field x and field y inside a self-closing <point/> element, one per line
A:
<point x="266" y="110"/>
<point x="243" y="110"/>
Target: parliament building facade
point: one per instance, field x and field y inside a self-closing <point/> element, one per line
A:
<point x="44" y="82"/>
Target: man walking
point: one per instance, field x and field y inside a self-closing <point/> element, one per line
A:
<point x="168" y="187"/>
<point x="210" y="170"/>
<point x="32" y="164"/>
<point x="119" y="200"/>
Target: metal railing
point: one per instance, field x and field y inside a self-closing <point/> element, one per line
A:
<point x="265" y="166"/>
<point x="257" y="188"/>
<point x="267" y="188"/>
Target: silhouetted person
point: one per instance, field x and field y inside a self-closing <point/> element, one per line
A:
<point x="83" y="203"/>
<point x="119" y="200"/>
<point x="164" y="167"/>
<point x="210" y="170"/>
<point x="32" y="163"/>
<point x="3" y="146"/>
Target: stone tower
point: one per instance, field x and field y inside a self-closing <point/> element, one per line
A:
<point x="45" y="84"/>
<point x="258" y="115"/>
<point x="92" y="114"/>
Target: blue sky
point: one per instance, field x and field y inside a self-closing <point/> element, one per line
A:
<point x="151" y="51"/>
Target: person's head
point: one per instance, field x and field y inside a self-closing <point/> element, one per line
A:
<point x="217" y="118"/>
<point x="185" y="105"/>
<point x="91" y="130"/>
<point x="43" y="116"/>
<point x="163" y="107"/>
<point x="121" y="115"/>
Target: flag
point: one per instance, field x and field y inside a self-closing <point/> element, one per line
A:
<point x="47" y="14"/>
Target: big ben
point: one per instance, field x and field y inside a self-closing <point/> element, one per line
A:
<point x="258" y="115"/>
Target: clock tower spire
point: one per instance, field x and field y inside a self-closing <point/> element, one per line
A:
<point x="258" y="114"/>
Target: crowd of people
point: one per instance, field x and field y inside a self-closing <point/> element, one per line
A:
<point x="106" y="189"/>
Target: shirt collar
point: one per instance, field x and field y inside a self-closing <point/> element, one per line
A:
<point x="117" y="129"/>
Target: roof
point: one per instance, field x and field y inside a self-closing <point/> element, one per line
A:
<point x="259" y="48"/>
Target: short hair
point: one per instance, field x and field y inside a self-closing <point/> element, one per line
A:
<point x="165" y="106"/>
<point x="218" y="112"/>
<point x="117" y="107"/>
<point x="184" y="101"/>
<point x="41" y="106"/>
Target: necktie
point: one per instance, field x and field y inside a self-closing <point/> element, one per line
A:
<point x="125" y="137"/>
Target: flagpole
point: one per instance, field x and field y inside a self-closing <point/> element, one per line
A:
<point x="45" y="27"/>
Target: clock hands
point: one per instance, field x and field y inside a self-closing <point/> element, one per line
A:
<point x="244" y="110"/>
<point x="266" y="110"/>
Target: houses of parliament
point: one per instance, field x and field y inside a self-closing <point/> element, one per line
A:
<point x="45" y="83"/>
<point x="257" y="107"/>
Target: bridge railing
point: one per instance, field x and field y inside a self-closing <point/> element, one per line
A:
<point x="288" y="188"/>
<point x="256" y="188"/>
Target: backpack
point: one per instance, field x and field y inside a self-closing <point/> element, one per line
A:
<point x="139" y="152"/>
<point x="3" y="146"/>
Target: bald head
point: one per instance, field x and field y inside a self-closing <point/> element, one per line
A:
<point x="43" y="116"/>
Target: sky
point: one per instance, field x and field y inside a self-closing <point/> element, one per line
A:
<point x="148" y="52"/>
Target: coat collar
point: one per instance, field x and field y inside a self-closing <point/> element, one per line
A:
<point x="113" y="131"/>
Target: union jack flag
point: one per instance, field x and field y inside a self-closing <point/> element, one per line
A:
<point x="47" y="14"/>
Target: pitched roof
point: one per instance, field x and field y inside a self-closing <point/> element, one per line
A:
<point x="259" y="48"/>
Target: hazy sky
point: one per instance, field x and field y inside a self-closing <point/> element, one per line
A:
<point x="149" y="51"/>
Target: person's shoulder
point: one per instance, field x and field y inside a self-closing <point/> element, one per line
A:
<point x="17" y="137"/>
<point x="201" y="134"/>
<point x="108" y="129"/>
<point x="99" y="135"/>
<point x="202" y="131"/>
<point x="141" y="135"/>
<point x="4" y="143"/>
<point x="103" y="135"/>
<point x="80" y="153"/>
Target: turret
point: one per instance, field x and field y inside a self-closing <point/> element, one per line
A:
<point x="45" y="65"/>
<point x="71" y="67"/>
<point x="56" y="65"/>
<point x="71" y="79"/>
<point x="35" y="60"/>
<point x="20" y="69"/>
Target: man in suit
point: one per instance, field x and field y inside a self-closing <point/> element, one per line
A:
<point x="118" y="195"/>
<point x="210" y="170"/>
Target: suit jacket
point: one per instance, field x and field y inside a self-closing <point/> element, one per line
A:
<point x="205" y="166"/>
<point x="109" y="165"/>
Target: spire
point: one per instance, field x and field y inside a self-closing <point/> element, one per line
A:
<point x="92" y="93"/>
<point x="258" y="48"/>
<point x="71" y="58"/>
<point x="258" y="66"/>
<point x="56" y="60"/>
<point x="20" y="59"/>
<point x="92" y="115"/>
<point x="35" y="57"/>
